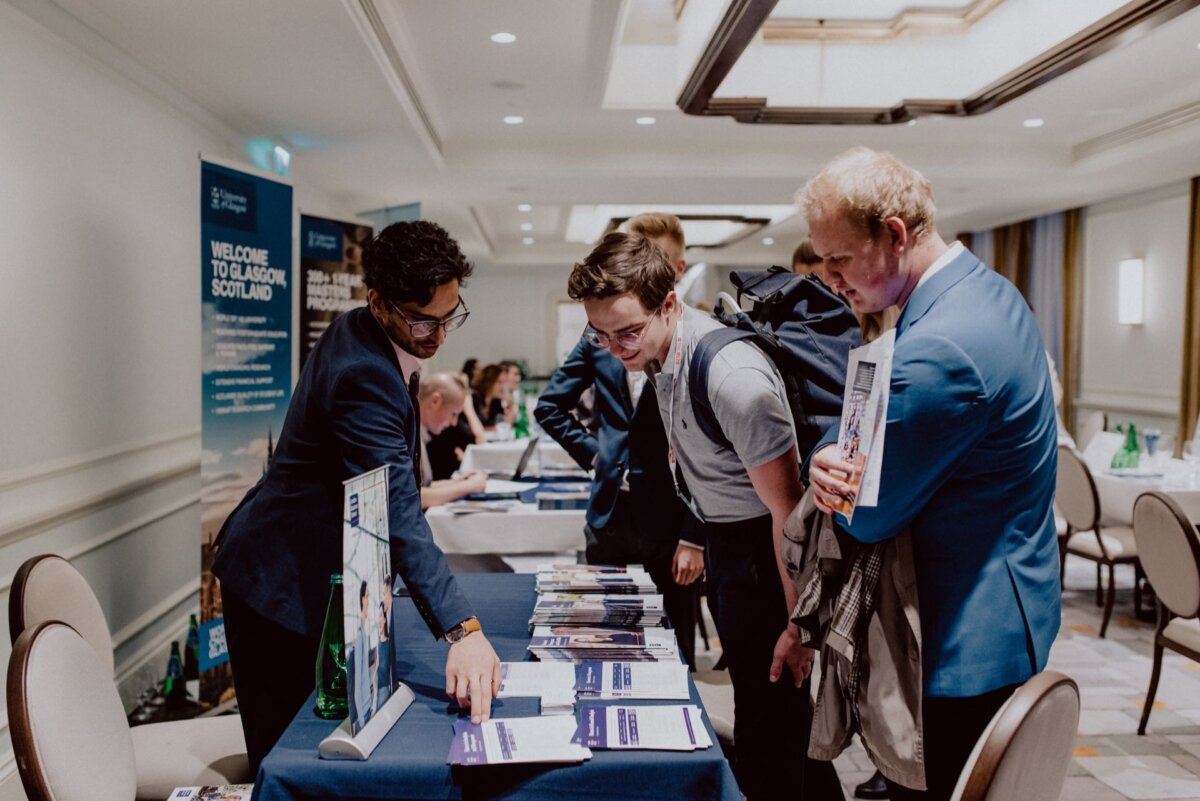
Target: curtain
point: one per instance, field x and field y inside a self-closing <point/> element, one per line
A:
<point x="981" y="246"/>
<point x="1045" y="293"/>
<point x="1189" y="391"/>
<point x="1011" y="248"/>
<point x="1072" y="320"/>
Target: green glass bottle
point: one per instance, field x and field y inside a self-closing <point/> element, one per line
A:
<point x="332" y="701"/>
<point x="521" y="426"/>
<point x="174" y="686"/>
<point x="191" y="651"/>
<point x="1128" y="456"/>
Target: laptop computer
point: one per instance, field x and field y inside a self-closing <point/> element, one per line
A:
<point x="522" y="463"/>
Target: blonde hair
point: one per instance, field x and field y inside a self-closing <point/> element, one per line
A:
<point x="449" y="385"/>
<point x="869" y="187"/>
<point x="657" y="224"/>
<point x="805" y="256"/>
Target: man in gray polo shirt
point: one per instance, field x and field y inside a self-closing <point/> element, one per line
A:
<point x="743" y="495"/>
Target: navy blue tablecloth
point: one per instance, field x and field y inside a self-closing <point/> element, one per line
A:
<point x="410" y="762"/>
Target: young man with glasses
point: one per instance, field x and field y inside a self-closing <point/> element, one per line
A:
<point x="742" y="496"/>
<point x="628" y="519"/>
<point x="354" y="409"/>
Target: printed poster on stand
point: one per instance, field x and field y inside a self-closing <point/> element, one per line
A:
<point x="331" y="275"/>
<point x="246" y="263"/>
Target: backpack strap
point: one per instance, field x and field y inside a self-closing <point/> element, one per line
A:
<point x="702" y="355"/>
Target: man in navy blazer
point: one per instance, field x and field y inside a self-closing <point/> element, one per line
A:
<point x="633" y="515"/>
<point x="970" y="447"/>
<point x="351" y="412"/>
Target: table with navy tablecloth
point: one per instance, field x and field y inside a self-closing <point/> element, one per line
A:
<point x="410" y="762"/>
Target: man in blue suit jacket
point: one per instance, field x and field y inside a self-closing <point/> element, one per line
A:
<point x="969" y="453"/>
<point x="633" y="515"/>
<point x="351" y="412"/>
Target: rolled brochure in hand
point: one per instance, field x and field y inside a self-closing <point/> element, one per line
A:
<point x="864" y="419"/>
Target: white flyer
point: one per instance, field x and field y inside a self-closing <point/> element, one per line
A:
<point x="510" y="740"/>
<point x="536" y="679"/>
<point x="667" y="681"/>
<point x="676" y="727"/>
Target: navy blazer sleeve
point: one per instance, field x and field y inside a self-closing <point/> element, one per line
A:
<point x="370" y="407"/>
<point x="937" y="414"/>
<point x="560" y="397"/>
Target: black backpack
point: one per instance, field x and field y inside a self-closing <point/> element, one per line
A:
<point x="804" y="328"/>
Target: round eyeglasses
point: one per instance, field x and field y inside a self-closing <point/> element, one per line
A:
<point x="627" y="340"/>
<point x="423" y="329"/>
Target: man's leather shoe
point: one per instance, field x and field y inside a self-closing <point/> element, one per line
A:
<point x="874" y="787"/>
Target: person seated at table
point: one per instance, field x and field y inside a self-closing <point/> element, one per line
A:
<point x="493" y="403"/>
<point x="442" y="398"/>
<point x="446" y="449"/>
<point x="633" y="516"/>
<point x="354" y="409"/>
<point x="470" y="368"/>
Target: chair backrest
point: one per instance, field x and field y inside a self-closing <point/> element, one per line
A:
<point x="1092" y="424"/>
<point x="1026" y="749"/>
<point x="1169" y="550"/>
<point x="1075" y="491"/>
<point x="48" y="587"/>
<point x="69" y="732"/>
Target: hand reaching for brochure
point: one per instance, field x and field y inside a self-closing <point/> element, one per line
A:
<point x="789" y="651"/>
<point x="473" y="675"/>
<point x="828" y="478"/>
<point x="687" y="565"/>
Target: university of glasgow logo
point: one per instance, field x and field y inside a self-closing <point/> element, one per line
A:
<point x="229" y="201"/>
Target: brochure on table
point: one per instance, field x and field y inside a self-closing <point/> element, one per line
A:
<point x="660" y="728"/>
<point x="864" y="417"/>
<point x="511" y="740"/>
<point x="377" y="697"/>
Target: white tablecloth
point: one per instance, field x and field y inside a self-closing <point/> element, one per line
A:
<point x="503" y="456"/>
<point x="1117" y="493"/>
<point x="522" y="529"/>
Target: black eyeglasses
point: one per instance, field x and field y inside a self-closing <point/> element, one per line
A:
<point x="423" y="329"/>
<point x="627" y="340"/>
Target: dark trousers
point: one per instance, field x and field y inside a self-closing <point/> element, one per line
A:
<point x="771" y="720"/>
<point x="274" y="672"/>
<point x="950" y="728"/>
<point x="621" y="543"/>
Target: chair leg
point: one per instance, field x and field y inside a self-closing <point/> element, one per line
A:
<point x="1158" y="658"/>
<point x="1099" y="586"/>
<point x="1109" y="598"/>
<point x="1137" y="590"/>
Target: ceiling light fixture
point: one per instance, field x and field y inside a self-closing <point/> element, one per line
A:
<point x="503" y="38"/>
<point x="527" y="240"/>
<point x="524" y="207"/>
<point x="768" y="240"/>
<point x="513" y="119"/>
<point x="526" y="226"/>
<point x="645" y="120"/>
<point x="1034" y="122"/>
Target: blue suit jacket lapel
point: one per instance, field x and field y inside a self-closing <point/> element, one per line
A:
<point x="924" y="296"/>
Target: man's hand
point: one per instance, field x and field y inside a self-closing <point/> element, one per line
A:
<point x="688" y="564"/>
<point x="473" y="675"/>
<point x="828" y="478"/>
<point x="474" y="481"/>
<point x="789" y="651"/>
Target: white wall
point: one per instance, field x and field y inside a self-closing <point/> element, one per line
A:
<point x="99" y="231"/>
<point x="1133" y="372"/>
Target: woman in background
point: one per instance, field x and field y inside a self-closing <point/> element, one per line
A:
<point x="493" y="402"/>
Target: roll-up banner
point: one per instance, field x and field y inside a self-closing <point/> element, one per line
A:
<point x="246" y="298"/>
<point x="331" y="275"/>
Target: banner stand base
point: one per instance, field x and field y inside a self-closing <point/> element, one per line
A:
<point x="342" y="745"/>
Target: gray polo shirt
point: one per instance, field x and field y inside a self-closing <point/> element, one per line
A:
<point x="750" y="403"/>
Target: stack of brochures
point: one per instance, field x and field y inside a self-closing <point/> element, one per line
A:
<point x="551" y="682"/>
<point x="512" y="740"/>
<point x="594" y="579"/>
<point x="588" y="609"/>
<point x="667" y="681"/>
<point x="659" y="728"/>
<point x="550" y="500"/>
<point x="603" y="644"/>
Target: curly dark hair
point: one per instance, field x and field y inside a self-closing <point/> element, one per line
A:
<point x="408" y="259"/>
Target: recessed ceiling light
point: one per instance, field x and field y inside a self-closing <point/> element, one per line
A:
<point x="768" y="240"/>
<point x="1034" y="122"/>
<point x="526" y="226"/>
<point x="527" y="240"/>
<point x="513" y="119"/>
<point x="503" y="38"/>
<point x="524" y="207"/>
<point x="911" y="123"/>
<point x="645" y="120"/>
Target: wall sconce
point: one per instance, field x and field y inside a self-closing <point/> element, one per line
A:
<point x="1129" y="292"/>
